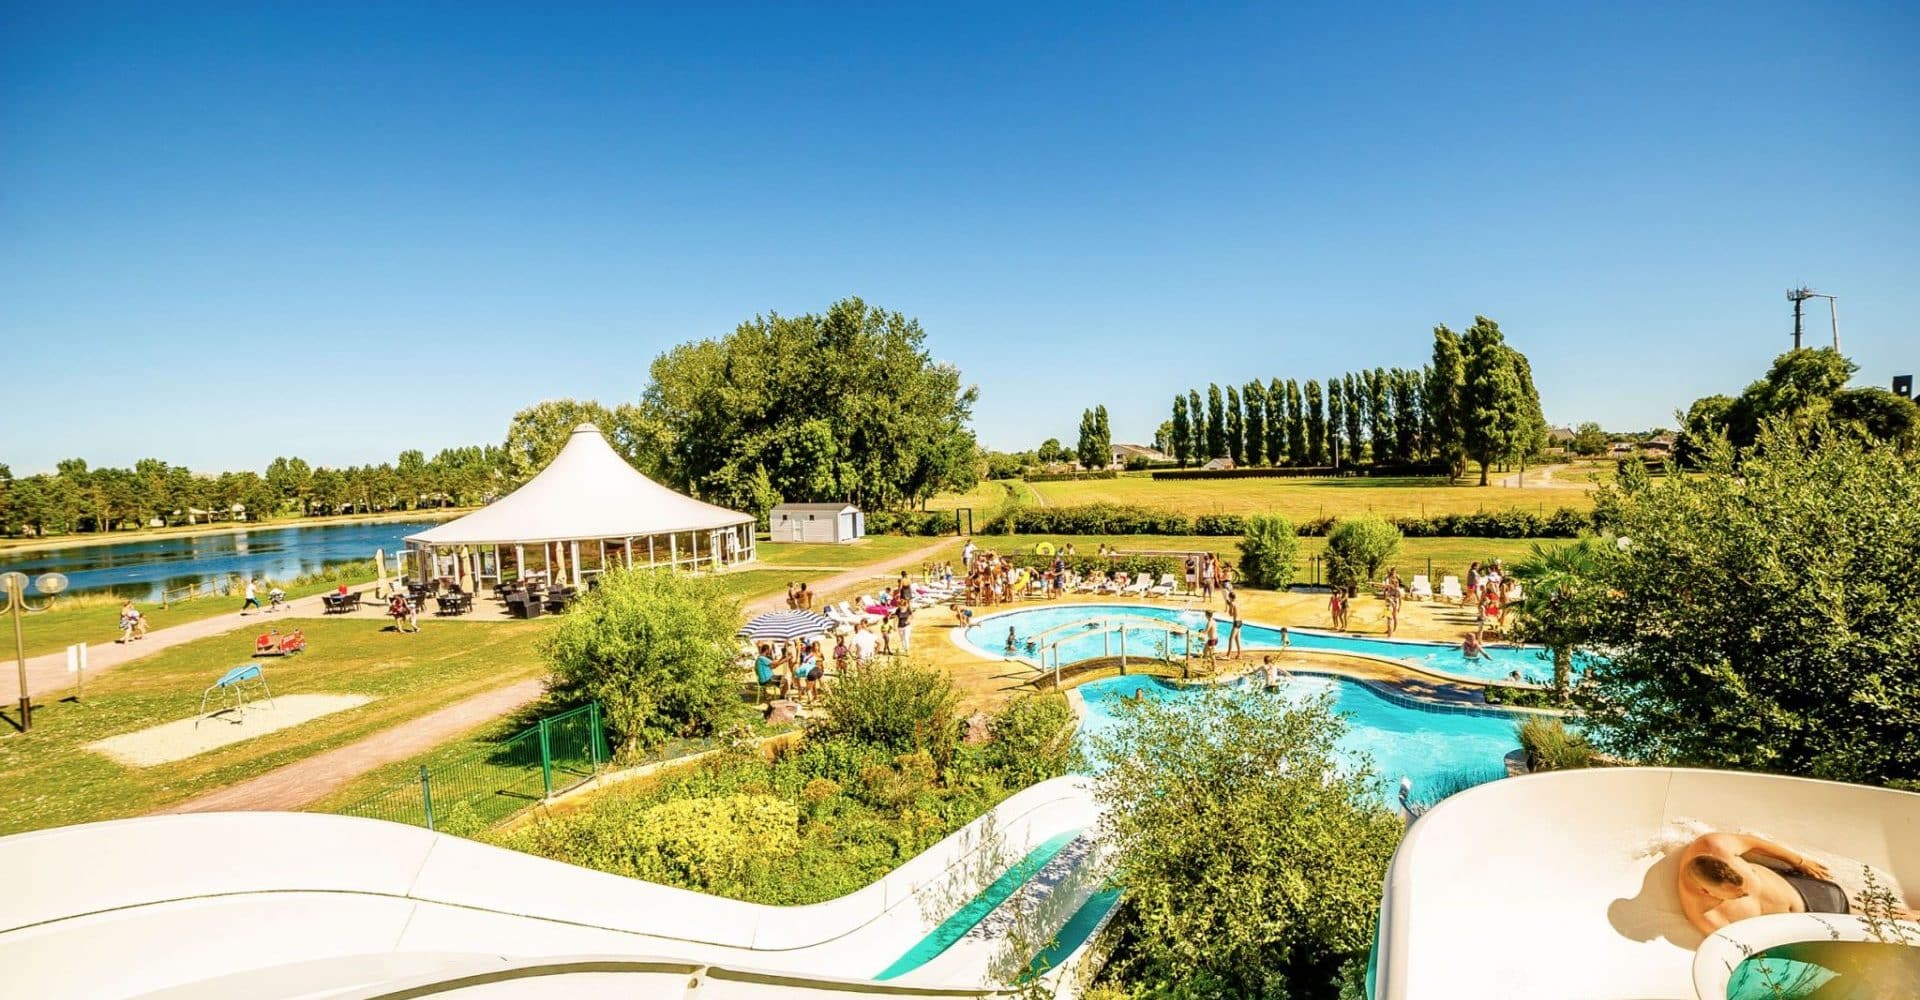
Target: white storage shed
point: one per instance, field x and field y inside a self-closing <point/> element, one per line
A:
<point x="816" y="522"/>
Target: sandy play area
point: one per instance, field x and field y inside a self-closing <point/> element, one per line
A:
<point x="181" y="739"/>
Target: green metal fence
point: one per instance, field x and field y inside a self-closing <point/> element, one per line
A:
<point x="492" y="783"/>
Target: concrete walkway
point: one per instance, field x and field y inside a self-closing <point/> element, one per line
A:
<point x="315" y="778"/>
<point x="48" y="673"/>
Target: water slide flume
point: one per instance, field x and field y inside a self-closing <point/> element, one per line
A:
<point x="1554" y="885"/>
<point x="237" y="904"/>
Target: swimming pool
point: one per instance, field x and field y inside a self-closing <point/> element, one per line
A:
<point x="1425" y="745"/>
<point x="989" y="635"/>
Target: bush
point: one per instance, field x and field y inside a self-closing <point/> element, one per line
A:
<point x="1032" y="739"/>
<point x="1131" y="519"/>
<point x="1551" y="746"/>
<point x="655" y="648"/>
<point x="705" y="844"/>
<point x="1083" y="564"/>
<point x="897" y="705"/>
<point x="1267" y="550"/>
<point x="1357" y="548"/>
<point x="925" y="523"/>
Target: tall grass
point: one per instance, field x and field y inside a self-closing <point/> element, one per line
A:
<point x="1551" y="746"/>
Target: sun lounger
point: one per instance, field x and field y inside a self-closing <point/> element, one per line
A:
<point x="1164" y="588"/>
<point x="1139" y="587"/>
<point x="1421" y="587"/>
<point x="1450" y="589"/>
<point x="1517" y="594"/>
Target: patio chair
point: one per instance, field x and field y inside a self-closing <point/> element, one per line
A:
<point x="351" y="602"/>
<point x="1450" y="589"/>
<point x="333" y="604"/>
<point x="1421" y="587"/>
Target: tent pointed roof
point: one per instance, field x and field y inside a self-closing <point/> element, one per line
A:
<point x="587" y="491"/>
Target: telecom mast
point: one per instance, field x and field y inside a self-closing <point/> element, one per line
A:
<point x="1798" y="297"/>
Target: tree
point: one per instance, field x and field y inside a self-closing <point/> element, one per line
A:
<point x="1803" y="386"/>
<point x="656" y="649"/>
<point x="1406" y="414"/>
<point x="1236" y="428"/>
<point x="1446" y="381"/>
<point x="1197" y="419"/>
<point x="1380" y="412"/>
<point x="1163" y="437"/>
<point x="1335" y="420"/>
<point x="1356" y="415"/>
<point x="1589" y="439"/>
<point x="1268" y="547"/>
<point x="1760" y="615"/>
<point x="1530" y="434"/>
<point x="1105" y="431"/>
<point x="1356" y="549"/>
<point x="1316" y="425"/>
<point x="1254" y="397"/>
<point x="1296" y="425"/>
<point x="896" y="704"/>
<point x="1093" y="451"/>
<point x="1216" y="423"/>
<point x="538" y="432"/>
<point x="1276" y="421"/>
<point x="1251" y="852"/>
<point x="1494" y="402"/>
<point x="1560" y="598"/>
<point x="1182" y="431"/>
<point x="847" y="405"/>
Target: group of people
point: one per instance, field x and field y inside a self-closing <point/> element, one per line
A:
<point x="799" y="598"/>
<point x="1491" y="592"/>
<point x="1205" y="574"/>
<point x="133" y="623"/>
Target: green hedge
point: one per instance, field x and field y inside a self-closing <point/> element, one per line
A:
<point x="911" y="522"/>
<point x="1304" y="471"/>
<point x="1123" y="519"/>
<point x="1066" y="477"/>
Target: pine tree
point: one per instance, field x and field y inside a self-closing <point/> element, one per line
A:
<point x="1182" y="430"/>
<point x="1276" y="422"/>
<point x="1236" y="428"/>
<point x="1335" y="420"/>
<point x="1254" y="397"/>
<point x="1446" y="386"/>
<point x="1296" y="425"/>
<point x="1216" y="423"/>
<point x="1316" y="425"/>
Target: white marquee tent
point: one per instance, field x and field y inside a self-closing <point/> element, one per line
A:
<point x="586" y="512"/>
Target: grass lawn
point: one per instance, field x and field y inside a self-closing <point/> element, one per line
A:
<point x="1305" y="499"/>
<point x="985" y="496"/>
<point x="52" y="779"/>
<point x="95" y="619"/>
<point x="1445" y="555"/>
<point x="872" y="548"/>
<point x="751" y="583"/>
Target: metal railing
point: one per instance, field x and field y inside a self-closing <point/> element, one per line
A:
<point x="489" y="785"/>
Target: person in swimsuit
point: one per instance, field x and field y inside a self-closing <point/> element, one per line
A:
<point x="1719" y="884"/>
<point x="1212" y="633"/>
<point x="1233" y="629"/>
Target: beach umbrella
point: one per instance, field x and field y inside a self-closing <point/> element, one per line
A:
<point x="380" y="563"/>
<point x="466" y="569"/>
<point x="786" y="626"/>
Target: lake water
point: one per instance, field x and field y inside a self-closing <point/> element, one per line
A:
<point x="141" y="569"/>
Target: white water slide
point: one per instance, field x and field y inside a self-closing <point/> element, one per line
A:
<point x="228" y="905"/>
<point x="1564" y="884"/>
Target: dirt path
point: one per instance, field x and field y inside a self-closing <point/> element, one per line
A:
<point x="47" y="673"/>
<point x="315" y="778"/>
<point x="1541" y="477"/>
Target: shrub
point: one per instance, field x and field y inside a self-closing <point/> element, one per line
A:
<point x="1357" y="548"/>
<point x="1267" y="551"/>
<point x="1551" y="746"/>
<point x="926" y="523"/>
<point x="655" y="648"/>
<point x="898" y="705"/>
<point x="837" y="760"/>
<point x="1031" y="739"/>
<point x="699" y="843"/>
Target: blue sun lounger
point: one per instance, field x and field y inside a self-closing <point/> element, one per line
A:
<point x="233" y="688"/>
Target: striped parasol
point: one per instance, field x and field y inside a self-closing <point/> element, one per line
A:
<point x="786" y="626"/>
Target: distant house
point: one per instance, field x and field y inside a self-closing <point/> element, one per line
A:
<point x="1560" y="436"/>
<point x="1619" y="449"/>
<point x="1219" y="464"/>
<point x="830" y="523"/>
<point x="1123" y="453"/>
<point x="1659" y="444"/>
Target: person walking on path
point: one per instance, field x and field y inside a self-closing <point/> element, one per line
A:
<point x="253" y="599"/>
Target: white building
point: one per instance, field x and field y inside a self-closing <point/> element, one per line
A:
<point x="817" y="522"/>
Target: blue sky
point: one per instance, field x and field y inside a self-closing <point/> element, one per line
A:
<point x="232" y="231"/>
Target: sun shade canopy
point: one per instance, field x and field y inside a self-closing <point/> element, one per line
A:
<point x="587" y="491"/>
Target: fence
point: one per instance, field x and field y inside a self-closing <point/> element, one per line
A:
<point x="490" y="784"/>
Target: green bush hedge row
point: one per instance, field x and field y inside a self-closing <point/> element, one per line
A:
<point x="1122" y="519"/>
<point x="1063" y="477"/>
<point x="926" y="523"/>
<point x="1300" y="471"/>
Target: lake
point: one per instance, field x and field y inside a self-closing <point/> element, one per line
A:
<point x="140" y="569"/>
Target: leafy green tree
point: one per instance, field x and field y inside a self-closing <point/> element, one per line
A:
<point x="1276" y="421"/>
<point x="1088" y="449"/>
<point x="1254" y="396"/>
<point x="1446" y="401"/>
<point x="1250" y="852"/>
<point x="1197" y="418"/>
<point x="1530" y="433"/>
<point x="1216" y="423"/>
<point x="1406" y="414"/>
<point x="1557" y="611"/>
<point x="1182" y="433"/>
<point x="1051" y="451"/>
<point x="1356" y="549"/>
<point x="1105" y="431"/>
<point x="1494" y="401"/>
<point x="1380" y="412"/>
<point x="1336" y="420"/>
<point x="1268" y="548"/>
<point x="1297" y="450"/>
<point x="1236" y="428"/>
<point x="1316" y="425"/>
<point x="1761" y="616"/>
<point x="1356" y="415"/>
<point x="656" y="649"/>
<point x="1163" y="437"/>
<point x="1804" y="386"/>
<point x="1589" y="439"/>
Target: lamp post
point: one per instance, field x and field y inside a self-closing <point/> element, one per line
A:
<point x="16" y="591"/>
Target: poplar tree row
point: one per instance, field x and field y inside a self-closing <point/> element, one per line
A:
<point x="1474" y="401"/>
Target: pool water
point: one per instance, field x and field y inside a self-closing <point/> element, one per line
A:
<point x="989" y="635"/>
<point x="1828" y="970"/>
<point x="1426" y="745"/>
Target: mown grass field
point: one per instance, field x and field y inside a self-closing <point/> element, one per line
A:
<point x="1308" y="498"/>
<point x="870" y="549"/>
<point x="52" y="779"/>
